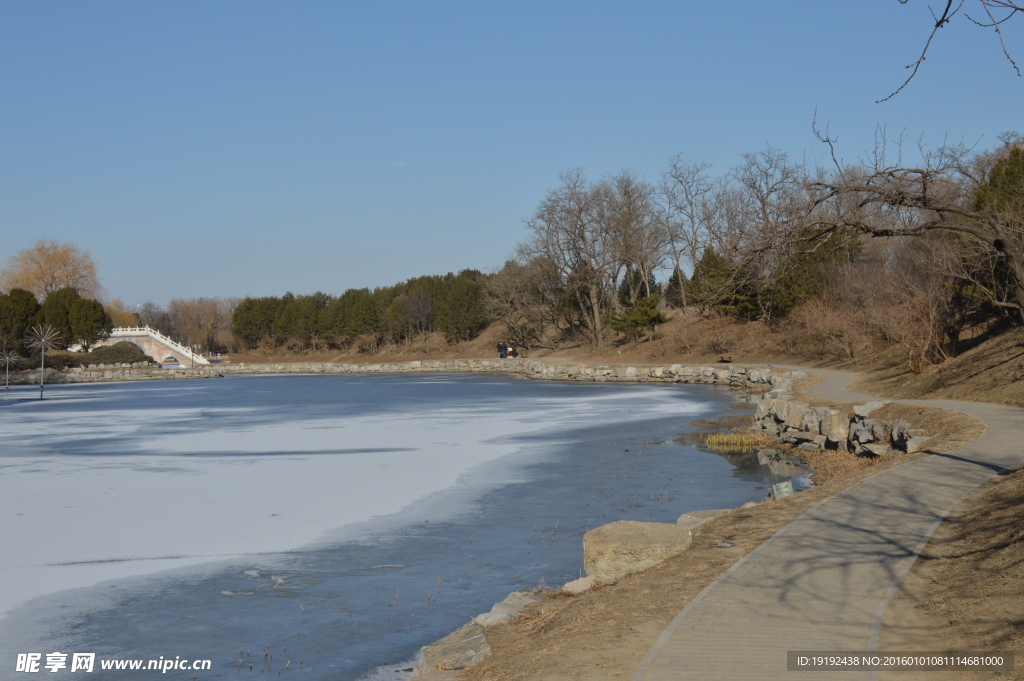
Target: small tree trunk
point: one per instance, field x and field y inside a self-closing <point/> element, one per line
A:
<point x="595" y="307"/>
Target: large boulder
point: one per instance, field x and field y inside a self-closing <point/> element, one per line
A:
<point x="916" y="444"/>
<point x="836" y="426"/>
<point x="695" y="519"/>
<point x="795" y="414"/>
<point x="900" y="435"/>
<point x="508" y="609"/>
<point x="625" y="547"/>
<point x="454" y="651"/>
<point x="863" y="431"/>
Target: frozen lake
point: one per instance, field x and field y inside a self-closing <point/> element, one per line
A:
<point x="343" y="521"/>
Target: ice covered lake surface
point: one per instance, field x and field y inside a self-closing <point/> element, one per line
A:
<point x="343" y="521"/>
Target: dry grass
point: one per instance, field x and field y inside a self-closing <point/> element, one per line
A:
<point x="831" y="464"/>
<point x="991" y="372"/>
<point x="967" y="590"/>
<point x="978" y="581"/>
<point x="739" y="441"/>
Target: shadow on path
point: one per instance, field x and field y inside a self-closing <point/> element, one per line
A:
<point x="823" y="582"/>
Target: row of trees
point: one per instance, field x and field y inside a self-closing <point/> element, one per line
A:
<point x="771" y="235"/>
<point x="71" y="319"/>
<point x="594" y="248"/>
<point x="454" y="304"/>
<point x="939" y="247"/>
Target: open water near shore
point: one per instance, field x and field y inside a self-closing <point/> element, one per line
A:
<point x="341" y="521"/>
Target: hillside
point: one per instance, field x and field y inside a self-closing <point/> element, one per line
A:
<point x="991" y="371"/>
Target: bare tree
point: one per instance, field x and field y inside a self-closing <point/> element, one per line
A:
<point x="641" y="239"/>
<point x="993" y="14"/>
<point x="155" y="317"/>
<point x="747" y="226"/>
<point x="688" y="209"/>
<point x="571" y="230"/>
<point x="120" y="315"/>
<point x="891" y="200"/>
<point x="520" y="294"/>
<point x="202" y="322"/>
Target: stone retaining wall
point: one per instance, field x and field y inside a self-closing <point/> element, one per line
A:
<point x="100" y="373"/>
<point x="777" y="382"/>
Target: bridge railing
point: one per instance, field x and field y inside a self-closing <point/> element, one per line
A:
<point x="124" y="331"/>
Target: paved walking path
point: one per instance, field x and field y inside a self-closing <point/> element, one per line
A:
<point x="823" y="582"/>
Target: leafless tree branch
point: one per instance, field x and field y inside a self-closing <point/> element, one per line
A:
<point x="989" y="7"/>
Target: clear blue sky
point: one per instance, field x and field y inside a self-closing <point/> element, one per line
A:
<point x="234" y="148"/>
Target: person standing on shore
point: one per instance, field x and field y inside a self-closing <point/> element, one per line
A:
<point x="502" y="350"/>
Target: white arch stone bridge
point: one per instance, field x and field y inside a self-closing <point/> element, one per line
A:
<point x="156" y="345"/>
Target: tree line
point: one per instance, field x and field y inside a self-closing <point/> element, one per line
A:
<point x="939" y="246"/>
<point x="731" y="243"/>
<point x="74" y="320"/>
<point x="454" y="304"/>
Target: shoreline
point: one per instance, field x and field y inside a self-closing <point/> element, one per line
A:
<point x="667" y="404"/>
<point x="609" y="630"/>
<point x="739" y="376"/>
<point x="630" y="549"/>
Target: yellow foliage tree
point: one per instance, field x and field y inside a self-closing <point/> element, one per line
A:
<point x="50" y="265"/>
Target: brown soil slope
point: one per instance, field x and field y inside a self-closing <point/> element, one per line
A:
<point x="991" y="372"/>
<point x="967" y="590"/>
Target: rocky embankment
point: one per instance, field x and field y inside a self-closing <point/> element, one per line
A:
<point x="778" y="383"/>
<point x="100" y="373"/>
<point x="797" y="423"/>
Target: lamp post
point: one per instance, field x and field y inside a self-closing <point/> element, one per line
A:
<point x="7" y="356"/>
<point x="42" y="338"/>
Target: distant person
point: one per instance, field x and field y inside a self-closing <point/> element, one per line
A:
<point x="512" y="349"/>
<point x="502" y="350"/>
